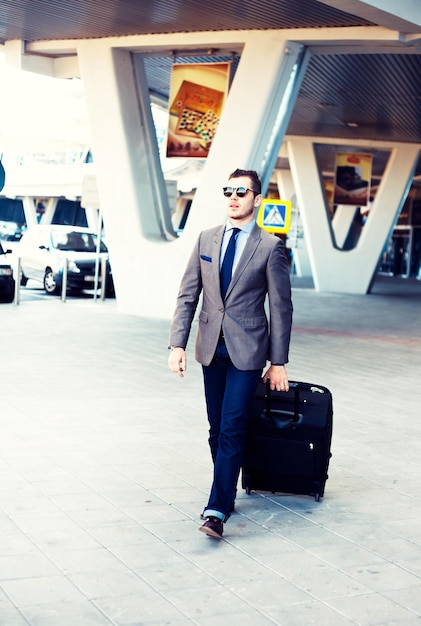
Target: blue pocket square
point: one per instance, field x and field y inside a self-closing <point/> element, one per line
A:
<point x="206" y="258"/>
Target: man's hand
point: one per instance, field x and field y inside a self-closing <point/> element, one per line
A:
<point x="278" y="377"/>
<point x="177" y="361"/>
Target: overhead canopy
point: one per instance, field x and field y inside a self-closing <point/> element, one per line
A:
<point x="363" y="89"/>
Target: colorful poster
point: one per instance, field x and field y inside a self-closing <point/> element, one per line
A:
<point x="197" y="96"/>
<point x="352" y="179"/>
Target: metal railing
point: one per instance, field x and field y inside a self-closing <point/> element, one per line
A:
<point x="100" y="282"/>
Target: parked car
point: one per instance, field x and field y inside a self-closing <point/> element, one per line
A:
<point x="7" y="282"/>
<point x="11" y="231"/>
<point x="43" y="251"/>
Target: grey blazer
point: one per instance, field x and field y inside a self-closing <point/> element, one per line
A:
<point x="251" y="338"/>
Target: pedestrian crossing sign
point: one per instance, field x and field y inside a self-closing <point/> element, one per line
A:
<point x="274" y="215"/>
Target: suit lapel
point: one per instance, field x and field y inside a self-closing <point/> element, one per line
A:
<point x="216" y="251"/>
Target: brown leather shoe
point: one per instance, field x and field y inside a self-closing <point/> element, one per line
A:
<point x="232" y="510"/>
<point x="213" y="527"/>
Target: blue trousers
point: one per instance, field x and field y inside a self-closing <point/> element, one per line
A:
<point x="228" y="393"/>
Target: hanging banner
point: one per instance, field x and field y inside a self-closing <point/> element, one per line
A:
<point x="274" y="215"/>
<point x="352" y="179"/>
<point x="197" y="96"/>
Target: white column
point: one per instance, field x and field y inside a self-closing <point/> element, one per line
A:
<point x="298" y="244"/>
<point x="123" y="176"/>
<point x="50" y="207"/>
<point x="244" y="120"/>
<point x="342" y="222"/>
<point x="147" y="271"/>
<point x="348" y="271"/>
<point x="29" y="209"/>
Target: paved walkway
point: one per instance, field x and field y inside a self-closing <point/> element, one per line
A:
<point x="104" y="469"/>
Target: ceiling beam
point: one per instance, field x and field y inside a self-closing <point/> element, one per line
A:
<point x="403" y="16"/>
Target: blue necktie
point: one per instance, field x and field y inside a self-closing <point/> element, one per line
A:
<point x="226" y="268"/>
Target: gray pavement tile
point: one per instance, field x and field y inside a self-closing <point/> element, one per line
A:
<point x="213" y="601"/>
<point x="121" y="498"/>
<point x="31" y="564"/>
<point x="345" y="555"/>
<point x="94" y="516"/>
<point x="232" y="567"/>
<point x="11" y="617"/>
<point x="412" y="565"/>
<point x="34" y="503"/>
<point x="178" y="494"/>
<point x="401" y="551"/>
<point x="406" y="526"/>
<point x="314" y="536"/>
<point x="411" y="621"/>
<point x="60" y="487"/>
<point x="293" y="565"/>
<point x="251" y="618"/>
<point x="271" y="593"/>
<point x="271" y="516"/>
<point x="183" y="621"/>
<point x="131" y="533"/>
<point x="25" y="592"/>
<point x="62" y="539"/>
<point x="363" y="533"/>
<point x="104" y="583"/>
<point x="309" y="613"/>
<point x="382" y="577"/>
<point x="256" y="541"/>
<point x="84" y="560"/>
<point x="38" y="522"/>
<point x="77" y="500"/>
<point x="5" y="601"/>
<point x="154" y="512"/>
<point x="371" y="610"/>
<point x="7" y="525"/>
<point x="182" y="574"/>
<point x="154" y="555"/>
<point x="82" y="612"/>
<point x="409" y="598"/>
<point x="330" y="583"/>
<point x="137" y="610"/>
<point x="16" y="543"/>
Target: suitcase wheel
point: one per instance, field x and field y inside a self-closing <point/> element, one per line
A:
<point x="246" y="482"/>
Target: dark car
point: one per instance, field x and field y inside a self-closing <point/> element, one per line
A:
<point x="43" y="251"/>
<point x="7" y="282"/>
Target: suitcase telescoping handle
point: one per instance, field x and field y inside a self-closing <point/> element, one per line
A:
<point x="283" y="418"/>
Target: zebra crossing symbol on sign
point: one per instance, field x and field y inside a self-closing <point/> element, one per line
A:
<point x="274" y="215"/>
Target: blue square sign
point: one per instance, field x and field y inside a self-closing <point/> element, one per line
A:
<point x="274" y="215"/>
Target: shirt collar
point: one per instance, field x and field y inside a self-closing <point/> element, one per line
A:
<point x="247" y="228"/>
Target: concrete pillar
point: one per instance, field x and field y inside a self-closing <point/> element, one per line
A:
<point x="348" y="271"/>
<point x="243" y="122"/>
<point x="146" y="269"/>
<point x="29" y="209"/>
<point x="50" y="207"/>
<point x="295" y="239"/>
<point x="342" y="223"/>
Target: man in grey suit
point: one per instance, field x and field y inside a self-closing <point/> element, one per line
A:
<point x="235" y="337"/>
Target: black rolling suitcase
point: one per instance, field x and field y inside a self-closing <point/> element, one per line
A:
<point x="288" y="440"/>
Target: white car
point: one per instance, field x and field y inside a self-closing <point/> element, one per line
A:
<point x="43" y="251"/>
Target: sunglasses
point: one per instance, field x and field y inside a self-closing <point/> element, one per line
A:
<point x="240" y="191"/>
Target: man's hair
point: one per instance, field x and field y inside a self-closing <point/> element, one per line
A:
<point x="253" y="175"/>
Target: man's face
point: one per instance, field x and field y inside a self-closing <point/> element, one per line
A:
<point x="241" y="210"/>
